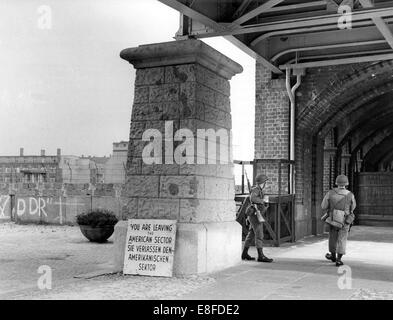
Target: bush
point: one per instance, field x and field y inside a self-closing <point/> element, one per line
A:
<point x="97" y="218"/>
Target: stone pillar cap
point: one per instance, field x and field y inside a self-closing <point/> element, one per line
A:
<point x="181" y="52"/>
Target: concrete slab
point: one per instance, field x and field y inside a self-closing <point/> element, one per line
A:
<point x="300" y="271"/>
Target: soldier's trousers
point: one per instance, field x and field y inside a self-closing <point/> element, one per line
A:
<point x="338" y="240"/>
<point x="255" y="234"/>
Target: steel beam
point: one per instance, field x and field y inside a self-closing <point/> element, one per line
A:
<point x="216" y="26"/>
<point x="298" y="6"/>
<point x="267" y="35"/>
<point x="340" y="41"/>
<point x="380" y="23"/>
<point x="333" y="39"/>
<point x="337" y="55"/>
<point x="290" y="7"/>
<point x="332" y="46"/>
<point x="241" y="9"/>
<point x="329" y="19"/>
<point x="306" y="31"/>
<point x="334" y="62"/>
<point x="253" y="54"/>
<point x="253" y="13"/>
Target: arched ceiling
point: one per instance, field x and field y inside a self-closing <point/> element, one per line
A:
<point x="388" y="158"/>
<point x="345" y="94"/>
<point x="363" y="115"/>
<point x="376" y="154"/>
<point x="370" y="139"/>
<point x="366" y="120"/>
<point x="365" y="127"/>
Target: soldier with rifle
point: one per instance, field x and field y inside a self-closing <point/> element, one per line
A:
<point x="255" y="211"/>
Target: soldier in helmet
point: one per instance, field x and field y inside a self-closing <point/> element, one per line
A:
<point x="343" y="201"/>
<point x="255" y="233"/>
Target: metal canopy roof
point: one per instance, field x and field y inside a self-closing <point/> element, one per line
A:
<point x="294" y="34"/>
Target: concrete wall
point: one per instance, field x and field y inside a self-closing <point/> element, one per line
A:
<point x="5" y="208"/>
<point x="59" y="203"/>
<point x="114" y="170"/>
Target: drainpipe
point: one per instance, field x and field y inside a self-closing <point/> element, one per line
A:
<point x="291" y="93"/>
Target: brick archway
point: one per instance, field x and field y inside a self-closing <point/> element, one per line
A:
<point x="341" y="88"/>
<point x="333" y="97"/>
<point x="328" y="97"/>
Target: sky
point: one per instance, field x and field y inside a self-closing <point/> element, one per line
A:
<point x="63" y="84"/>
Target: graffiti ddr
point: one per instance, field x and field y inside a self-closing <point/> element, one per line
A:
<point x="51" y="209"/>
<point x="40" y="209"/>
<point x="5" y="207"/>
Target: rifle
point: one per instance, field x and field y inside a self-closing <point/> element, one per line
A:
<point x="248" y="182"/>
<point x="257" y="211"/>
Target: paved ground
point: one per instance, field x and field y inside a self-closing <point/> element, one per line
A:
<point x="299" y="272"/>
<point x="25" y="248"/>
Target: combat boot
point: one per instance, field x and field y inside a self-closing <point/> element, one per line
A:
<point x="338" y="261"/>
<point x="331" y="256"/>
<point x="246" y="256"/>
<point x="262" y="257"/>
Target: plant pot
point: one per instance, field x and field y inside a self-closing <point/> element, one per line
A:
<point x="97" y="234"/>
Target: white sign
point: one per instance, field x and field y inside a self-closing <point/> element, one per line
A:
<point x="150" y="247"/>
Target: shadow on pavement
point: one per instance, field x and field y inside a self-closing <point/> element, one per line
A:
<point x="319" y="265"/>
<point x="372" y="234"/>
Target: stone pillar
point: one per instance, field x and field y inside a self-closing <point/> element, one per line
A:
<point x="183" y="85"/>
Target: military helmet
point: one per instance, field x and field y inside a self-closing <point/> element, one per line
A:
<point x="342" y="180"/>
<point x="261" y="178"/>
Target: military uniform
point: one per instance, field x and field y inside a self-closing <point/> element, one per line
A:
<point x="338" y="237"/>
<point x="341" y="199"/>
<point x="255" y="233"/>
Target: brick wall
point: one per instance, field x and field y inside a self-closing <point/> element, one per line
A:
<point x="271" y="116"/>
